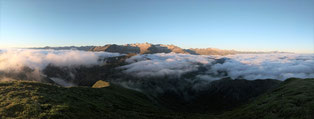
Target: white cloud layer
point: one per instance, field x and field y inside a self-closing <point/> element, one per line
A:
<point x="263" y="66"/>
<point x="15" y="59"/>
<point x="247" y="66"/>
<point x="162" y="64"/>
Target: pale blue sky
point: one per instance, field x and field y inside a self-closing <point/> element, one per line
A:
<point x="251" y="25"/>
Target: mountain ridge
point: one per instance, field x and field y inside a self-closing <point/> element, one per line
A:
<point x="149" y="48"/>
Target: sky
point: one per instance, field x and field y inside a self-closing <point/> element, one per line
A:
<point x="245" y="25"/>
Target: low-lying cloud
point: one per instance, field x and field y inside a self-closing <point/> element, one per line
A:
<point x="31" y="62"/>
<point x="244" y="66"/>
<point x="194" y="69"/>
<point x="171" y="64"/>
<point x="39" y="59"/>
<point x="268" y="66"/>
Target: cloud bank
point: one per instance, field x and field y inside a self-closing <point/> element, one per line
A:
<point x="244" y="66"/>
<point x="167" y="66"/>
<point x="162" y="64"/>
<point x="28" y="64"/>
<point x="39" y="59"/>
<point x="269" y="66"/>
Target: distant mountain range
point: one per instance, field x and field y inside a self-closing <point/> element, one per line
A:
<point x="148" y="48"/>
<point x="85" y="48"/>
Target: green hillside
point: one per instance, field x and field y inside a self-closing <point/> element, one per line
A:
<point x="24" y="100"/>
<point x="294" y="99"/>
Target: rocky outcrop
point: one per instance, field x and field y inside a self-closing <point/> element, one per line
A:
<point x="101" y="84"/>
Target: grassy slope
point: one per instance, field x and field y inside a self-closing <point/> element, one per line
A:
<point x="36" y="100"/>
<point x="294" y="99"/>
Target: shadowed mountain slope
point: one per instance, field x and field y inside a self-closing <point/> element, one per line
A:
<point x="294" y="99"/>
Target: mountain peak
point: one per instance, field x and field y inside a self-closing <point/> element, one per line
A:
<point x="148" y="48"/>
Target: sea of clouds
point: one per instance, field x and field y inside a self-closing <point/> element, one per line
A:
<point x="241" y="66"/>
<point x="244" y="66"/>
<point x="14" y="60"/>
<point x="269" y="66"/>
<point x="164" y="64"/>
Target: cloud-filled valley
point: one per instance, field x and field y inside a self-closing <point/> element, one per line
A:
<point x="28" y="64"/>
<point x="39" y="59"/>
<point x="185" y="78"/>
<point x="268" y="66"/>
<point x="240" y="66"/>
<point x="246" y="66"/>
<point x="159" y="65"/>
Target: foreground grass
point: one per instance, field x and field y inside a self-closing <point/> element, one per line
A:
<point x="294" y="99"/>
<point x="26" y="100"/>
